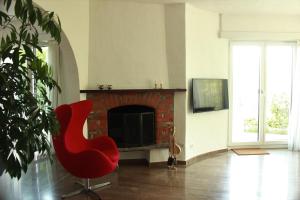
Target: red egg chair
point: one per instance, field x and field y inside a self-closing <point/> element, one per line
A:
<point x="81" y="157"/>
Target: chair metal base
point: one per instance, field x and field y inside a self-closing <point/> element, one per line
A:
<point x="87" y="190"/>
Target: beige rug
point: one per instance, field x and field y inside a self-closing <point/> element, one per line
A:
<point x="250" y="151"/>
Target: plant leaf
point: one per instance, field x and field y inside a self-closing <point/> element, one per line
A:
<point x="8" y="4"/>
<point x="18" y="8"/>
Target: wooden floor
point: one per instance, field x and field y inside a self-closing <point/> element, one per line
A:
<point x="225" y="177"/>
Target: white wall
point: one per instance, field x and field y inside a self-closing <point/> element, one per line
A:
<point x="74" y="16"/>
<point x="175" y="42"/>
<point x="127" y="44"/>
<point x="206" y="57"/>
<point x="260" y="27"/>
<point x="69" y="77"/>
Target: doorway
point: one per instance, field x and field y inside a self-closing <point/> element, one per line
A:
<point x="260" y="83"/>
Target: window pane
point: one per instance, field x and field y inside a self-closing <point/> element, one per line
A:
<point x="245" y="68"/>
<point x="279" y="62"/>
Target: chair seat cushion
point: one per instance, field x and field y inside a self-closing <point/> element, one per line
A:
<point x="112" y="154"/>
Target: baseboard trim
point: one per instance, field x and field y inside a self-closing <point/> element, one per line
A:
<point x="200" y="157"/>
<point x="190" y="161"/>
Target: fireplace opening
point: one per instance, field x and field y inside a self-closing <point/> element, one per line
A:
<point x="132" y="125"/>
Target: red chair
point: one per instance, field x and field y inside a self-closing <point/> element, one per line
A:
<point x="81" y="157"/>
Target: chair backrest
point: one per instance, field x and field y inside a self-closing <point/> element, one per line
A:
<point x="63" y="114"/>
<point x="72" y="118"/>
<point x="74" y="139"/>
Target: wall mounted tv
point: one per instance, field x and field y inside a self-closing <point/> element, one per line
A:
<point x="209" y="94"/>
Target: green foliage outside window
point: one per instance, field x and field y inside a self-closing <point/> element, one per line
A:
<point x="280" y="112"/>
<point x="277" y="123"/>
<point x="251" y="125"/>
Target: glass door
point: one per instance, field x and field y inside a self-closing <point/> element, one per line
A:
<point x="246" y="63"/>
<point x="260" y="92"/>
<point x="279" y="63"/>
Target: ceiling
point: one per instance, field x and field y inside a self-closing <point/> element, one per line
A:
<point x="286" y="7"/>
<point x="273" y="7"/>
<point x="260" y="7"/>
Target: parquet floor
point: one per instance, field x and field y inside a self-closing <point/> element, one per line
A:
<point x="226" y="176"/>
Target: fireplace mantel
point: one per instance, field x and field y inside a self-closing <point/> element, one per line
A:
<point x="133" y="90"/>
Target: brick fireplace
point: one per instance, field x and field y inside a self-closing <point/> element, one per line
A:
<point x="161" y="100"/>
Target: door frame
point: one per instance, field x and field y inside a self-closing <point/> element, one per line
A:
<point x="262" y="90"/>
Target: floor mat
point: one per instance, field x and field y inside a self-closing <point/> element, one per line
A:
<point x="250" y="152"/>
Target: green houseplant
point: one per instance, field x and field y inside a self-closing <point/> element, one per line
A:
<point x="26" y="117"/>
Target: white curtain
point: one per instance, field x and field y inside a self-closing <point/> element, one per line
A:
<point x="54" y="62"/>
<point x="294" y="123"/>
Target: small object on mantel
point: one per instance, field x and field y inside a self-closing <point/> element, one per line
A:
<point x="100" y="87"/>
<point x="109" y="87"/>
<point x="156" y="86"/>
<point x="104" y="87"/>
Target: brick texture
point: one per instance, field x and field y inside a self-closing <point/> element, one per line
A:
<point x="162" y="102"/>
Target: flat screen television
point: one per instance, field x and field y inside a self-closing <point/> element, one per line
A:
<point x="209" y="94"/>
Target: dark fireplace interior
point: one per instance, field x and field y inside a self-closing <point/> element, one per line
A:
<point x="132" y="125"/>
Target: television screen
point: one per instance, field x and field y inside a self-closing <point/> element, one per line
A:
<point x="209" y="95"/>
